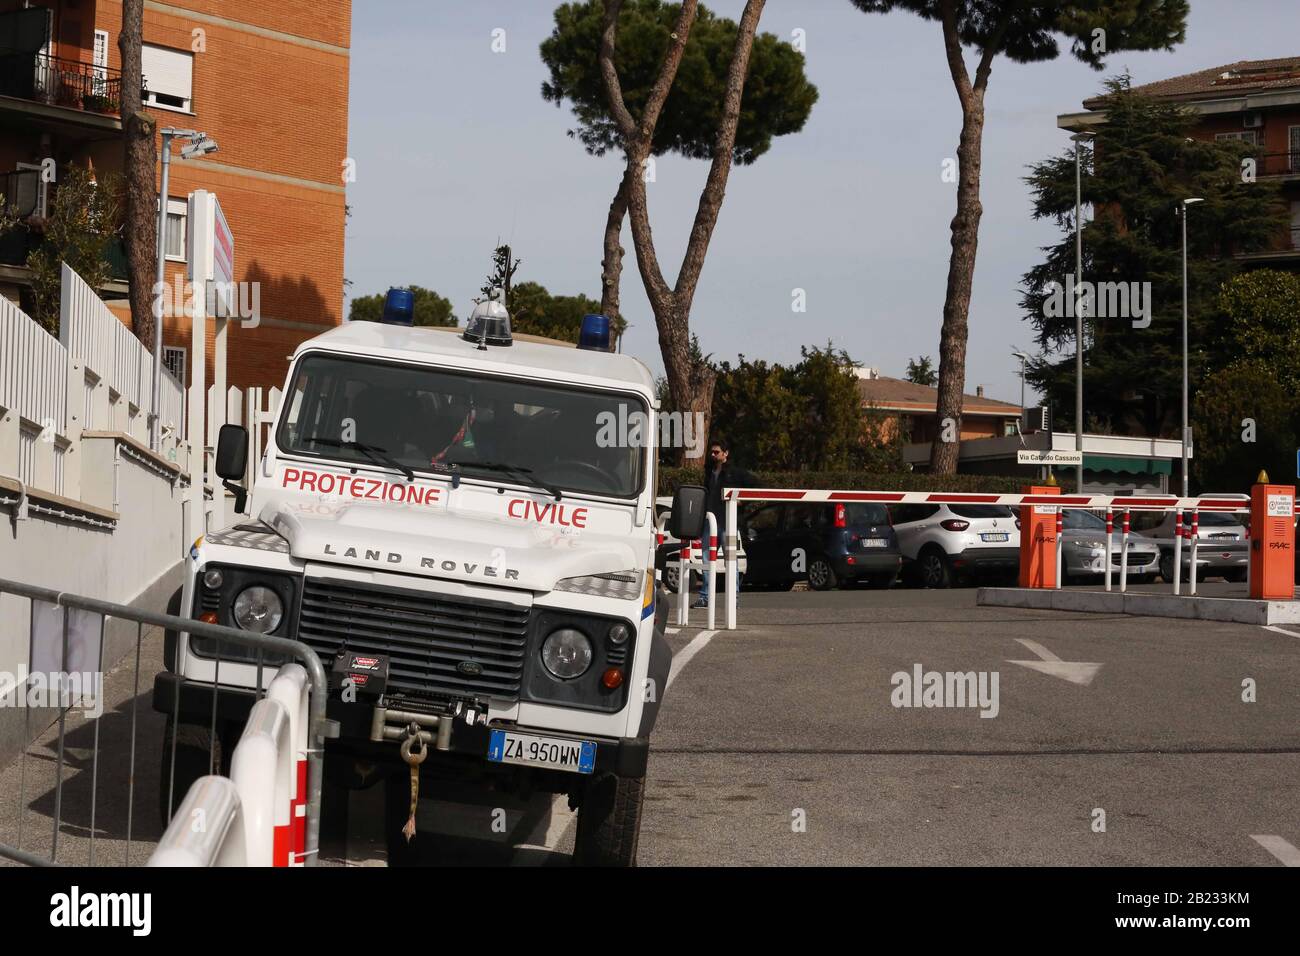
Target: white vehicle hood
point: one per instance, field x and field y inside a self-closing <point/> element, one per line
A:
<point x="473" y="534"/>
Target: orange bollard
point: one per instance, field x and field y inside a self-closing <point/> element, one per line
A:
<point x="1272" y="540"/>
<point x="1038" y="540"/>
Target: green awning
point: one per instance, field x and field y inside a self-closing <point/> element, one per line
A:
<point x="1129" y="466"/>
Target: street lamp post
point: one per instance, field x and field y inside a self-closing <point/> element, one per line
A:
<point x="1079" y="139"/>
<point x="1182" y="209"/>
<point x="199" y="144"/>
<point x="1023" y="359"/>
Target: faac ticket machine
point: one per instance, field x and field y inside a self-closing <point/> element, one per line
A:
<point x="1272" y="540"/>
<point x="1038" y="540"/>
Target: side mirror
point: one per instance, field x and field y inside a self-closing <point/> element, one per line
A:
<point x="687" y="517"/>
<point x="232" y="452"/>
<point x="232" y="459"/>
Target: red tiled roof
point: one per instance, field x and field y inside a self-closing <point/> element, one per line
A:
<point x="1219" y="81"/>
<point x="899" y="394"/>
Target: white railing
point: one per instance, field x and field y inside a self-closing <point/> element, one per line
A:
<point x="95" y="375"/>
<point x="257" y="816"/>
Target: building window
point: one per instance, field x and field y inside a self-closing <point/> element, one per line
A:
<point x="101" y="61"/>
<point x="1246" y="136"/>
<point x="1294" y="133"/>
<point x="174" y="362"/>
<point x="174" y="236"/>
<point x="169" y="77"/>
<point x="1295" y="223"/>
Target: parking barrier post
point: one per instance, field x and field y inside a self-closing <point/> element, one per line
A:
<point x="683" y="582"/>
<point x="1178" y="550"/>
<point x="1110" y="533"/>
<point x="1060" y="525"/>
<point x="731" y="583"/>
<point x="711" y="578"/>
<point x="1194" y="541"/>
<point x="1123" y="555"/>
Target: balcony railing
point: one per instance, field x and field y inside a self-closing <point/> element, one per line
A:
<point x="58" y="82"/>
<point x="1277" y="164"/>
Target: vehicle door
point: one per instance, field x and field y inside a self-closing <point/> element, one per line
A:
<point x="761" y="526"/>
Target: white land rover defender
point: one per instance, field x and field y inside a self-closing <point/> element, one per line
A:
<point x="437" y="515"/>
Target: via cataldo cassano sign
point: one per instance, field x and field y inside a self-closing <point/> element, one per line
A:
<point x="1025" y="457"/>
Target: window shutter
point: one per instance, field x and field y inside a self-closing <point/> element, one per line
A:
<point x="169" y="76"/>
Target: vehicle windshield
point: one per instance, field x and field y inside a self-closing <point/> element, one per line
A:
<point x="1217" y="520"/>
<point x="434" y="420"/>
<point x="1075" y="520"/>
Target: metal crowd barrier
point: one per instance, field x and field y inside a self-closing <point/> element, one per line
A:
<point x="291" y="710"/>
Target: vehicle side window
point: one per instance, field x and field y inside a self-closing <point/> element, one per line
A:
<point x="801" y="517"/>
<point x="765" y="520"/>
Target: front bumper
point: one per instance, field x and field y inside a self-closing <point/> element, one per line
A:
<point x="464" y="745"/>
<point x="1078" y="560"/>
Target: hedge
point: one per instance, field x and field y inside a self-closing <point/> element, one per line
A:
<point x="670" y="478"/>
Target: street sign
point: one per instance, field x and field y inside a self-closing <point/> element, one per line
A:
<point x="1027" y="457"/>
<point x="210" y="252"/>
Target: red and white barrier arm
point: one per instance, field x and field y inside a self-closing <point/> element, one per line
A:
<point x="1229" y="503"/>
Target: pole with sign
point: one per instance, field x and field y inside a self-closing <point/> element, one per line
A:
<point x="211" y="255"/>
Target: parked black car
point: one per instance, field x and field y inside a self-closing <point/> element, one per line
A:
<point x="827" y="544"/>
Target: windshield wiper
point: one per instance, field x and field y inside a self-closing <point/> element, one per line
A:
<point x="518" y="472"/>
<point x="379" y="456"/>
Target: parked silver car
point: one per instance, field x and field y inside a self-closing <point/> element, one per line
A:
<point x="1223" y="549"/>
<point x="1083" y="550"/>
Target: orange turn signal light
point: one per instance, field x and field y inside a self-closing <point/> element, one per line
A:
<point x="208" y="617"/>
<point x="612" y="678"/>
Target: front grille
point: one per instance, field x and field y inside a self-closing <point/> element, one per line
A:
<point x="425" y="636"/>
<point x="1135" y="559"/>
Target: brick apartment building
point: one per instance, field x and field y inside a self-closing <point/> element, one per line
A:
<point x="1255" y="101"/>
<point x="267" y="81"/>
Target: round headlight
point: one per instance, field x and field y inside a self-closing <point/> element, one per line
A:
<point x="212" y="579"/>
<point x="619" y="633"/>
<point x="258" y="609"/>
<point x="566" y="653"/>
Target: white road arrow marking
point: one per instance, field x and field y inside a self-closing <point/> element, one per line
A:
<point x="1284" y="851"/>
<point x="1076" y="672"/>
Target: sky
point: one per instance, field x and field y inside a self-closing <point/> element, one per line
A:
<point x="455" y="150"/>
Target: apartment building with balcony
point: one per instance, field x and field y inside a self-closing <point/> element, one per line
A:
<point x="1253" y="101"/>
<point x="267" y="82"/>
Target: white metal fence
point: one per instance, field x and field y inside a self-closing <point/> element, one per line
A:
<point x="95" y="375"/>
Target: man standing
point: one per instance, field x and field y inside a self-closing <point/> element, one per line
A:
<point x="719" y="473"/>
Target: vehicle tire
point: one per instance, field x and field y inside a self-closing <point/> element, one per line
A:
<point x="821" y="576"/>
<point x="932" y="565"/>
<point x="609" y="821"/>
<point x="671" y="577"/>
<point x="194" y="759"/>
<point x="1167" y="566"/>
<point x="1235" y="576"/>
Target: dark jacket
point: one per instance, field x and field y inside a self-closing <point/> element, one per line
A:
<point x="731" y="476"/>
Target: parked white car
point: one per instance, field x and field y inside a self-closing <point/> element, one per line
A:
<point x="1222" y="551"/>
<point x="1083" y="549"/>
<point x="943" y="545"/>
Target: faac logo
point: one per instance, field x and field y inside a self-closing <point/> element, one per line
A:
<point x="553" y="513"/>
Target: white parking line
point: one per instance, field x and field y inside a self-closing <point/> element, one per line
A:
<point x="1280" y="630"/>
<point x="1280" y="848"/>
<point x="561" y="817"/>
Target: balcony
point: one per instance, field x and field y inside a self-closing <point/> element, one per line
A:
<point x="1278" y="165"/>
<point x="61" y="90"/>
